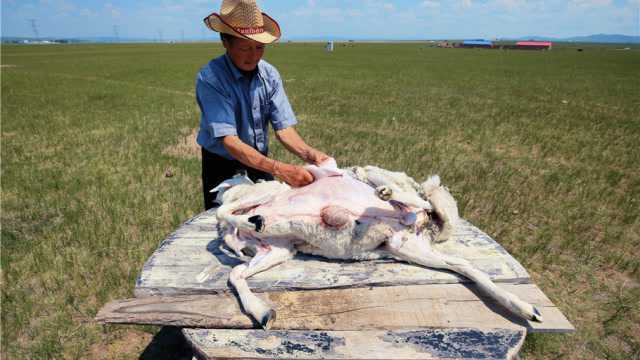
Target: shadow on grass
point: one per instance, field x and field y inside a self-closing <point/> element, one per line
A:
<point x="168" y="343"/>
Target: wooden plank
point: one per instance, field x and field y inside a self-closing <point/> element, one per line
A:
<point x="415" y="306"/>
<point x="174" y="267"/>
<point x="400" y="344"/>
<point x="300" y="274"/>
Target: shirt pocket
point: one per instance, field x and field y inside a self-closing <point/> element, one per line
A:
<point x="265" y="102"/>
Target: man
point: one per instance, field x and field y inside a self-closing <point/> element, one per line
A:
<point x="239" y="95"/>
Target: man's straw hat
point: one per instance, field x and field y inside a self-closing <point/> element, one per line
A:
<point x="243" y="19"/>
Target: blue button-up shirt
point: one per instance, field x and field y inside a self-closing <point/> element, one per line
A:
<point x="232" y="104"/>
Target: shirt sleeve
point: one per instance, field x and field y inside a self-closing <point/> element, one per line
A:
<point x="218" y="116"/>
<point x="281" y="114"/>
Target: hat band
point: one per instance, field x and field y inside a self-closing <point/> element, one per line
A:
<point x="249" y="30"/>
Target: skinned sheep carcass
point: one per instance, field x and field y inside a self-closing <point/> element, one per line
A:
<point x="359" y="213"/>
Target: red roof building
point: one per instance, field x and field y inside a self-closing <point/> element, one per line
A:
<point x="535" y="44"/>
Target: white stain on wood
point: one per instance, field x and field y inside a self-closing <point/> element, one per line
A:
<point x="402" y="344"/>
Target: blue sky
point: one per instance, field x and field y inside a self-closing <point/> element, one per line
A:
<point x="382" y="19"/>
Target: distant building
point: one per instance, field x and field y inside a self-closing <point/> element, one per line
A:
<point x="329" y="46"/>
<point x="444" y="44"/>
<point x="534" y="45"/>
<point x="480" y="43"/>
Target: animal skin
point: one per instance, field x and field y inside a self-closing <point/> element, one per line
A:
<point x="359" y="213"/>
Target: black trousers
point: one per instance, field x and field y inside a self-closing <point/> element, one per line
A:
<point x="216" y="169"/>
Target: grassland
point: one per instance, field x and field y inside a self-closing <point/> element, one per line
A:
<point x="540" y="149"/>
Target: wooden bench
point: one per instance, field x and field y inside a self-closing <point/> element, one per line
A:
<point x="335" y="309"/>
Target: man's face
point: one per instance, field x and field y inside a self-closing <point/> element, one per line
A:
<point x="244" y="53"/>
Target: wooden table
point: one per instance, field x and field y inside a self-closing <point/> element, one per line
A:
<point x="335" y="309"/>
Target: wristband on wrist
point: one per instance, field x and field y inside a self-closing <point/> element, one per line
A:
<point x="306" y="155"/>
<point x="274" y="168"/>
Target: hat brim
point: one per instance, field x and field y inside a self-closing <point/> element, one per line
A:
<point x="271" y="29"/>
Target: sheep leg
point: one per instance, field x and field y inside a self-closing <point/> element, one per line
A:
<point x="444" y="205"/>
<point x="268" y="256"/>
<point x="226" y="212"/>
<point x="390" y="192"/>
<point x="237" y="244"/>
<point x="231" y="239"/>
<point x="393" y="186"/>
<point x="413" y="249"/>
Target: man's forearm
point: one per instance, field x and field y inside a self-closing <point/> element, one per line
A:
<point x="248" y="155"/>
<point x="292" y="141"/>
<point x="291" y="174"/>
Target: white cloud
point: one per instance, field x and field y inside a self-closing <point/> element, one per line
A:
<point x="511" y="4"/>
<point x="388" y="6"/>
<point x="86" y="12"/>
<point x="112" y="10"/>
<point x="432" y="4"/>
<point x="331" y="14"/>
<point x="589" y="3"/>
<point x="62" y="6"/>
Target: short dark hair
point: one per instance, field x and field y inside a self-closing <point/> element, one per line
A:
<point x="227" y="37"/>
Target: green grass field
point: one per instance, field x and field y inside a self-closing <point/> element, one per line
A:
<point x="540" y="149"/>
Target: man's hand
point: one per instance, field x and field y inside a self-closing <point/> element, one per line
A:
<point x="293" y="175"/>
<point x="316" y="157"/>
<point x="294" y="143"/>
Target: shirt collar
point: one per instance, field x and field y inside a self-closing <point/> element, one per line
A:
<point x="234" y="70"/>
<point x="237" y="74"/>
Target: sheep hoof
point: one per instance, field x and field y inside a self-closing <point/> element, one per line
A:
<point x="384" y="193"/>
<point x="536" y="315"/>
<point x="248" y="251"/>
<point x="258" y="221"/>
<point x="409" y="219"/>
<point x="268" y="319"/>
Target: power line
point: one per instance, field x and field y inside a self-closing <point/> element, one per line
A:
<point x="116" y="33"/>
<point x="34" y="27"/>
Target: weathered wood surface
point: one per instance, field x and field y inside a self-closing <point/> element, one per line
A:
<point x="357" y="312"/>
<point x="173" y="268"/>
<point x="399" y="344"/>
<point x="413" y="306"/>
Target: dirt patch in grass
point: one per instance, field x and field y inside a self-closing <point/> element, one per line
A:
<point x="166" y="344"/>
<point x="126" y="342"/>
<point x="186" y="147"/>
